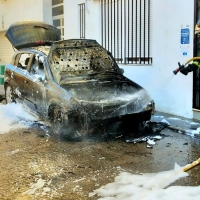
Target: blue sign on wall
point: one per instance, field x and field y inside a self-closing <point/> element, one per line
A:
<point x="185" y="36"/>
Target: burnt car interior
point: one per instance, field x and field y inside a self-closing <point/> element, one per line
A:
<point x="22" y="60"/>
<point x="37" y="67"/>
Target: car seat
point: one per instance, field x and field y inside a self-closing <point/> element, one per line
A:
<point x="26" y="61"/>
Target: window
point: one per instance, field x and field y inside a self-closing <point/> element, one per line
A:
<point x="126" y="30"/>
<point x="37" y="67"/>
<point x="22" y="60"/>
<point x="58" y="15"/>
<point x="82" y="20"/>
<point x="55" y="2"/>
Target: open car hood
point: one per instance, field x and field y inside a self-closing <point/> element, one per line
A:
<point x="26" y="34"/>
<point x="76" y="58"/>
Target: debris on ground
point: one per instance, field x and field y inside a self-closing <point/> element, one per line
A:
<point x="194" y="125"/>
<point x="150" y="133"/>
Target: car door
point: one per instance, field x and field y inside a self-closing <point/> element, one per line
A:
<point x="35" y="86"/>
<point x="19" y="73"/>
<point x="35" y="94"/>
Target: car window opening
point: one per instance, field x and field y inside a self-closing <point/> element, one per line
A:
<point x="23" y="61"/>
<point x="37" y="68"/>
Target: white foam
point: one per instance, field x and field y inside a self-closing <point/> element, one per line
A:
<point x="129" y="186"/>
<point x="14" y="116"/>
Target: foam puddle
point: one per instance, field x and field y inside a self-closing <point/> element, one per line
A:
<point x="14" y="116"/>
<point x="153" y="186"/>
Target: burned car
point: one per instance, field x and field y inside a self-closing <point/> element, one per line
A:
<point x="76" y="83"/>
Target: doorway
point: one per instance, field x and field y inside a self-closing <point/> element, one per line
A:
<point x="196" y="74"/>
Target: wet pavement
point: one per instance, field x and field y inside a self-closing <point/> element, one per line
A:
<point x="74" y="169"/>
<point x="179" y="124"/>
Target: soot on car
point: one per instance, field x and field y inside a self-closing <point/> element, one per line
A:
<point x="75" y="84"/>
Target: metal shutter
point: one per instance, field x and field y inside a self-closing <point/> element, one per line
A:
<point x="6" y="50"/>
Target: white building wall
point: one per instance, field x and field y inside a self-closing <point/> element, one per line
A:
<point x="12" y="11"/>
<point x="17" y="10"/>
<point x="172" y="94"/>
<point x="92" y="16"/>
<point x="22" y="10"/>
<point x="47" y="11"/>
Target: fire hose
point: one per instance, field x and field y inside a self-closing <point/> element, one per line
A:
<point x="182" y="66"/>
<point x="189" y="166"/>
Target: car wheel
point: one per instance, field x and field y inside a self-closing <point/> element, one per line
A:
<point x="62" y="127"/>
<point x="9" y="95"/>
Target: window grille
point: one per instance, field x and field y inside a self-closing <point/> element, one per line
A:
<point x="126" y="30"/>
<point x="82" y="20"/>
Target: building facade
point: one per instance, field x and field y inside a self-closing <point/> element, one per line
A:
<point x="146" y="37"/>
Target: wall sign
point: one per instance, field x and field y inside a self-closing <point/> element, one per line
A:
<point x="184" y="40"/>
<point x="185" y="36"/>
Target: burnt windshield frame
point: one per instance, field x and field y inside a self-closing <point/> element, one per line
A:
<point x="81" y="61"/>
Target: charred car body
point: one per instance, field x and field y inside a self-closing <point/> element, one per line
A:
<point x="75" y="83"/>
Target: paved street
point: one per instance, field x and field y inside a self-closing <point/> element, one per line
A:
<point x="34" y="166"/>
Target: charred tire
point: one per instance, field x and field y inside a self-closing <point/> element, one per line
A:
<point x="62" y="127"/>
<point x="9" y="95"/>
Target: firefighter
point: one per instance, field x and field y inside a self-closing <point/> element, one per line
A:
<point x="190" y="67"/>
<point x="196" y="63"/>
